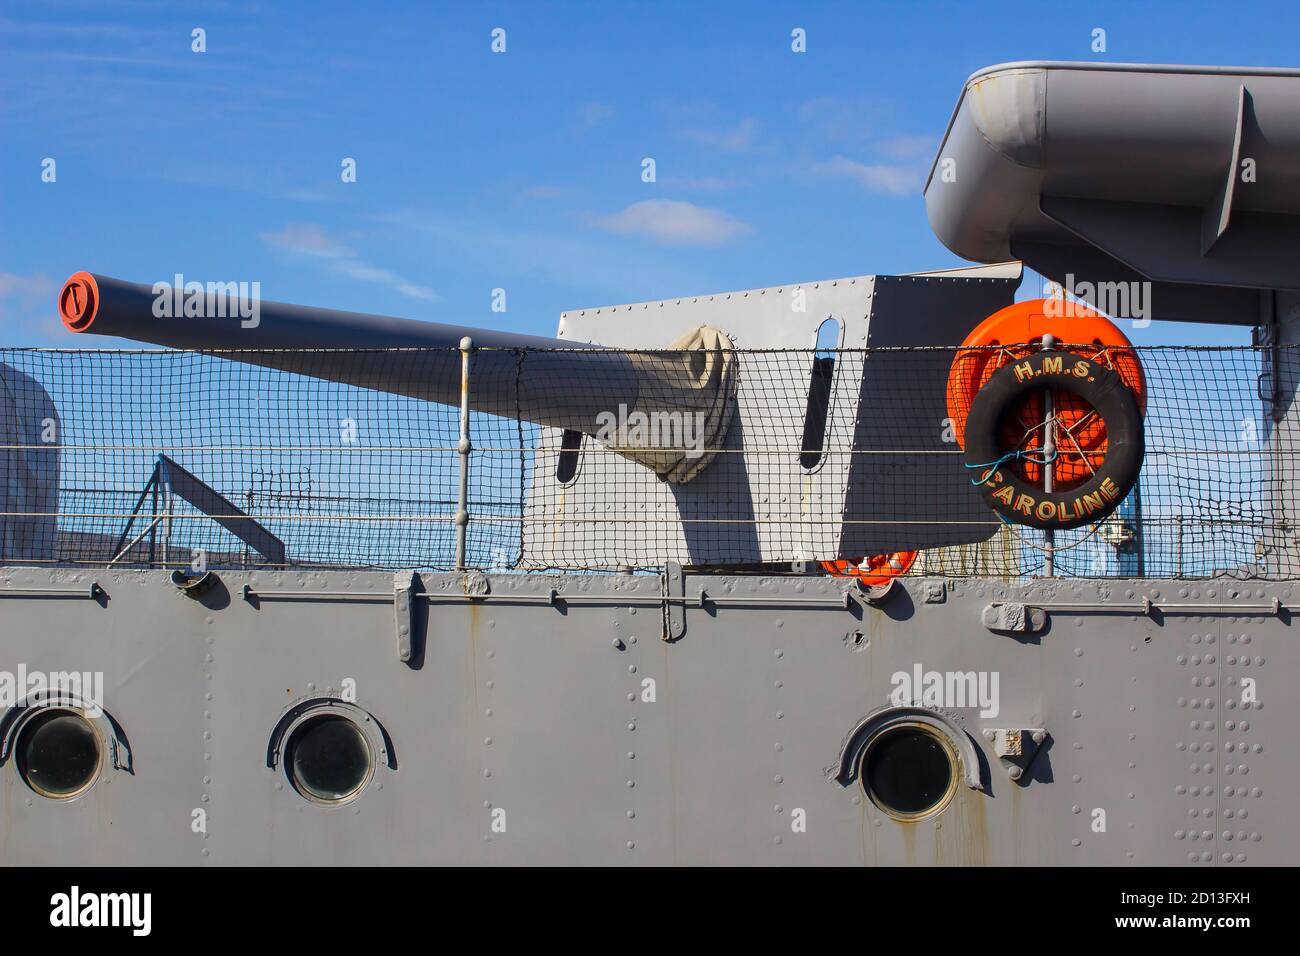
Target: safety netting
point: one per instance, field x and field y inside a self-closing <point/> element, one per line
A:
<point x="599" y="460"/>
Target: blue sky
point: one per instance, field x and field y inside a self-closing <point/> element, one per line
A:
<point x="519" y="170"/>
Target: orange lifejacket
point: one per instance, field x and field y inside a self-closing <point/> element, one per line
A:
<point x="875" y="570"/>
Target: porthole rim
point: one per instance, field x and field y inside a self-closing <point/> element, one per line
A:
<point x="297" y="727"/>
<point x="380" y="745"/>
<point x="35" y="711"/>
<point x="929" y="730"/>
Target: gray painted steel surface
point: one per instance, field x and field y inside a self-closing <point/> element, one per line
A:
<point x="776" y="500"/>
<point x="1183" y="176"/>
<point x="538" y="712"/>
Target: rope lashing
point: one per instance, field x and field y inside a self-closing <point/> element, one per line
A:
<point x="1016" y="455"/>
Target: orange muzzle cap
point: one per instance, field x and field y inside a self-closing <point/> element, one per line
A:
<point x="79" y="301"/>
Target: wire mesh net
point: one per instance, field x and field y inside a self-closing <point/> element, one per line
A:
<point x="771" y="460"/>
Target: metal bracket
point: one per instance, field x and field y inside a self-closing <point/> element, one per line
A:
<point x="94" y="591"/>
<point x="404" y="611"/>
<point x="674" y="593"/>
<point x="936" y="592"/>
<point x="193" y="585"/>
<point x="1014" y="618"/>
<point x="877" y="593"/>
<point x="1016" y="747"/>
<point x="1218" y="213"/>
<point x="476" y="584"/>
<point x="868" y="595"/>
<point x="1265" y="337"/>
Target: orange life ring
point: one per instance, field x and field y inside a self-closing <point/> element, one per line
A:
<point x="875" y="570"/>
<point x="1014" y="333"/>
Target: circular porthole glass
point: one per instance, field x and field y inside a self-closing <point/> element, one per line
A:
<point x="909" y="772"/>
<point x="58" y="753"/>
<point x="328" y="758"/>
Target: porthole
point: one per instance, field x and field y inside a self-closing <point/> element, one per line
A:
<point x="328" y="758"/>
<point x="909" y="771"/>
<point x="58" y="753"/>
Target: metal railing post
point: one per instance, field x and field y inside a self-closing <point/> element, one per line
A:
<point x="1048" y="466"/>
<point x="463" y="447"/>
<point x="1178" y="545"/>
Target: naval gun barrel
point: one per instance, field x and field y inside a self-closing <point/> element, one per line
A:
<point x="349" y="347"/>
<point x="553" y="383"/>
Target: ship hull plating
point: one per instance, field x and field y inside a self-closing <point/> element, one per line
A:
<point x="532" y="729"/>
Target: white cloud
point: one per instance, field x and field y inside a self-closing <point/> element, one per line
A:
<point x="893" y="179"/>
<point x="733" y="139"/>
<point x="674" y="222"/>
<point x="589" y="267"/>
<point x="310" y="239"/>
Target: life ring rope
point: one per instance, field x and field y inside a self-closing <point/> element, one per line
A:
<point x="1017" y="454"/>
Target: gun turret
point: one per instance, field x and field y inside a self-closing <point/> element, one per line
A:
<point x="559" y="385"/>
